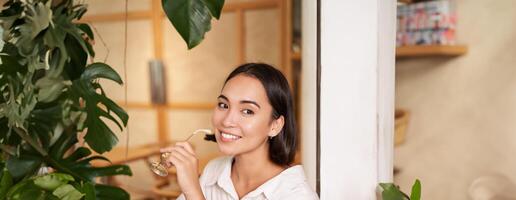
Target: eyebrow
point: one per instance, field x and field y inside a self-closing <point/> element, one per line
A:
<point x="242" y="101"/>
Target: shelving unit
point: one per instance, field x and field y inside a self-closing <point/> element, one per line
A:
<point x="431" y="50"/>
<point x="295" y="56"/>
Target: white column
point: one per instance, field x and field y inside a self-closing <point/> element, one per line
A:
<point x="357" y="39"/>
<point x="308" y="89"/>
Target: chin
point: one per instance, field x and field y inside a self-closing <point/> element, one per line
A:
<point x="226" y="150"/>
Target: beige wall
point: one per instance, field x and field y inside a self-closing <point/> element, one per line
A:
<point x="463" y="109"/>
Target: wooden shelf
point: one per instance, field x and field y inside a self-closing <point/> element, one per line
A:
<point x="405" y="1"/>
<point x="431" y="50"/>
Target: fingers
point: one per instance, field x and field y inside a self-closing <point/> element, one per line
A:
<point x="180" y="157"/>
<point x="186" y="146"/>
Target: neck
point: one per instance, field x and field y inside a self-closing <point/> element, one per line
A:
<point x="254" y="166"/>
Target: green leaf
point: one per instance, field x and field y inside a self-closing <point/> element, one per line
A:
<point x="10" y="14"/>
<point x="27" y="190"/>
<point x="390" y="192"/>
<point x="101" y="70"/>
<point x="50" y="88"/>
<point x="110" y="193"/>
<point x="105" y="171"/>
<point x="37" y="18"/>
<point x="112" y="106"/>
<point x="87" y="160"/>
<point x="65" y="142"/>
<point x="54" y="37"/>
<point x="191" y="18"/>
<point x="98" y="135"/>
<point x="86" y="29"/>
<point x="11" y="66"/>
<point x="215" y="7"/>
<point x="25" y="164"/>
<point x="88" y="189"/>
<point x="75" y="32"/>
<point x="6" y="182"/>
<point x="78" y="58"/>
<point x="416" y="191"/>
<point x="67" y="192"/>
<point x="52" y="181"/>
<point x="79" y="153"/>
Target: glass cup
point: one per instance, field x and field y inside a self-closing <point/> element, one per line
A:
<point x="160" y="168"/>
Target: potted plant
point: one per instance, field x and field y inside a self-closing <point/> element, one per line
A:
<point x="391" y="191"/>
<point x="49" y="93"/>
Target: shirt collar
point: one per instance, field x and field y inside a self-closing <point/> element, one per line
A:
<point x="293" y="175"/>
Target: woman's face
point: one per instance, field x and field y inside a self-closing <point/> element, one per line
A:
<point x="242" y="118"/>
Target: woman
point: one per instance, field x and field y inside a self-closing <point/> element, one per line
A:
<point x="255" y="127"/>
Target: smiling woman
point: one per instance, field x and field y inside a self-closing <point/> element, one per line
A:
<point x="255" y="128"/>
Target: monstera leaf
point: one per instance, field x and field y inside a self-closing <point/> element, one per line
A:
<point x="97" y="105"/>
<point x="192" y="18"/>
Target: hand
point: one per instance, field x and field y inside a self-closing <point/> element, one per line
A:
<point x="183" y="157"/>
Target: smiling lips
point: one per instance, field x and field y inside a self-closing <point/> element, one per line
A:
<point x="226" y="137"/>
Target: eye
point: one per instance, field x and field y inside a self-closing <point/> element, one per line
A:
<point x="222" y="105"/>
<point x="247" y="112"/>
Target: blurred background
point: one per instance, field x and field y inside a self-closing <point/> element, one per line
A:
<point x="171" y="91"/>
<point x="461" y="104"/>
<point x="455" y="85"/>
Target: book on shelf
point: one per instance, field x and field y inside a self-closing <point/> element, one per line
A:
<point x="426" y="23"/>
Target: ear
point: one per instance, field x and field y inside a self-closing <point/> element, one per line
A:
<point x="276" y="126"/>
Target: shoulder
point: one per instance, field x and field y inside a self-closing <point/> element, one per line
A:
<point x="214" y="168"/>
<point x="301" y="191"/>
<point x="293" y="185"/>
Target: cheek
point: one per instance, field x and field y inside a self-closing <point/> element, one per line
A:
<point x="257" y="127"/>
<point x="216" y="117"/>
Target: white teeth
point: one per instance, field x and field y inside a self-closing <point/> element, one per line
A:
<point x="229" y="136"/>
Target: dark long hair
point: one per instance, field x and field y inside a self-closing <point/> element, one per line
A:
<point x="282" y="148"/>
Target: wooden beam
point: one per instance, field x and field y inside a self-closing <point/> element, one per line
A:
<point x="240" y="26"/>
<point x="191" y="106"/>
<point x="157" y="32"/>
<point x="157" y="29"/>
<point x="149" y="14"/>
<point x="133" y="15"/>
<point x="251" y="5"/>
<point x="286" y="38"/>
<point x="170" y="106"/>
<point x="162" y="119"/>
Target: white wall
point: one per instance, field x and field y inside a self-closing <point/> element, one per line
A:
<point x="463" y="109"/>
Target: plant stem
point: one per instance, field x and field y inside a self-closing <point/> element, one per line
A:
<point x="30" y="140"/>
<point x="62" y="168"/>
<point x="7" y="149"/>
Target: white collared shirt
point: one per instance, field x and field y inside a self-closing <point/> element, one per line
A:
<point x="290" y="184"/>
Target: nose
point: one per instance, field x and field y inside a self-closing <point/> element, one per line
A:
<point x="230" y="119"/>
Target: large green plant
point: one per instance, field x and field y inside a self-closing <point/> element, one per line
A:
<point x="49" y="93"/>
